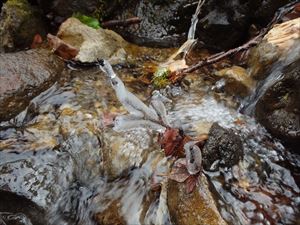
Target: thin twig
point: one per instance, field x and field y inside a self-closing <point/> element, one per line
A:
<point x="221" y="55"/>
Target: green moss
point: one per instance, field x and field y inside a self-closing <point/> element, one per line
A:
<point x="21" y="6"/>
<point x="87" y="20"/>
<point x="160" y="78"/>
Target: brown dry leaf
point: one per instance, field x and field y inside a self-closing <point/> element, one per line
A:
<point x="61" y="48"/>
<point x="171" y="141"/>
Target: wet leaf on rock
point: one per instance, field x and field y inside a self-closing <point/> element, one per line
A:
<point x="191" y="183"/>
<point x="61" y="48"/>
<point x="87" y="20"/>
<point x="37" y="41"/>
<point x="180" y="174"/>
<point x="172" y="142"/>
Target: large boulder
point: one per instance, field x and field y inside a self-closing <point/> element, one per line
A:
<point x="19" y="23"/>
<point x="163" y="23"/>
<point x="225" y="24"/>
<point x="92" y="44"/>
<point x="24" y="75"/>
<point x="279" y="107"/>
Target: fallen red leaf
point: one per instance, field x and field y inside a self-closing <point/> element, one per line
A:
<point x="191" y="183"/>
<point x="37" y="41"/>
<point x="61" y="48"/>
<point x="171" y="141"/>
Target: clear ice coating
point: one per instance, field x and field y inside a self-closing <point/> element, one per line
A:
<point x="157" y="102"/>
<point x="193" y="157"/>
<point x="140" y="115"/>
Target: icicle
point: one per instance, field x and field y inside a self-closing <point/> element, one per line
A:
<point x="131" y="103"/>
<point x="193" y="157"/>
<point x="157" y="102"/>
<point x="107" y="69"/>
<point x="123" y="123"/>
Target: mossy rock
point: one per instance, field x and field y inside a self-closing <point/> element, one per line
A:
<point x="19" y="22"/>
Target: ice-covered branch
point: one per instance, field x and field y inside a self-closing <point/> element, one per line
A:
<point x="140" y="115"/>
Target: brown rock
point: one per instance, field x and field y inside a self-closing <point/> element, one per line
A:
<point x="111" y="215"/>
<point x="197" y="208"/>
<point x="23" y="76"/>
<point x="237" y="79"/>
<point x="92" y="44"/>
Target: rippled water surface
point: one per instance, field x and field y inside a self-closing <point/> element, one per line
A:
<point x="63" y="155"/>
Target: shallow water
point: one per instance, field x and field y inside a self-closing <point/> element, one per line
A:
<point x="63" y="155"/>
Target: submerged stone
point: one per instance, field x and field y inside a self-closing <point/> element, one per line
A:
<point x="237" y="80"/>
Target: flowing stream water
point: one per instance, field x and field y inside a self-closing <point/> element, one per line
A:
<point x="62" y="163"/>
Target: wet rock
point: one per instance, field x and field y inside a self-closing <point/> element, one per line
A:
<point x="232" y="19"/>
<point x="19" y="22"/>
<point x="122" y="153"/>
<point x="197" y="208"/>
<point x="18" y="210"/>
<point x="24" y="75"/>
<point x="279" y="108"/>
<point x="277" y="45"/>
<point x="166" y="23"/>
<point x="92" y="44"/>
<point x="237" y="80"/>
<point x="59" y="10"/>
<point x="223" y="145"/>
<point x="28" y="175"/>
<point x="163" y="23"/>
<point x="111" y="215"/>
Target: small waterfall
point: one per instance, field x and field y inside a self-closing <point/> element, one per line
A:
<point x="248" y="106"/>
